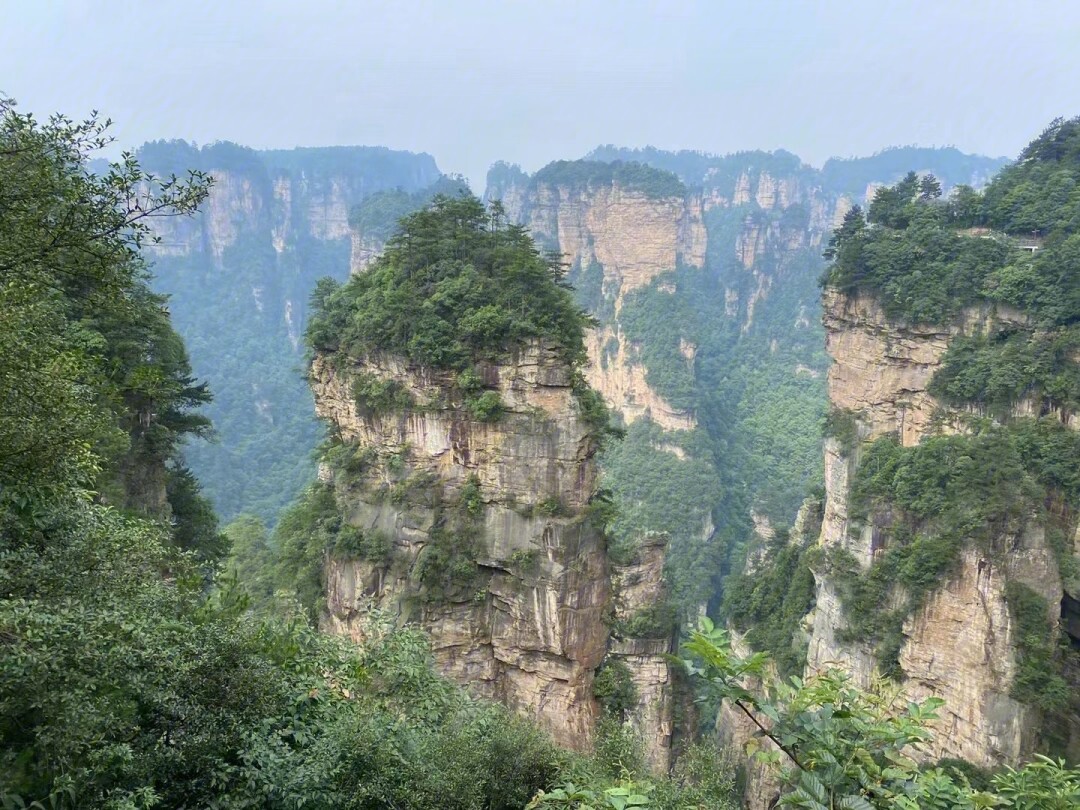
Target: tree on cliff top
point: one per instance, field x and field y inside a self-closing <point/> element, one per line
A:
<point x="915" y="256"/>
<point x="455" y="284"/>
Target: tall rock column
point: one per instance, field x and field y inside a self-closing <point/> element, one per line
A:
<point x="476" y="529"/>
<point x="961" y="644"/>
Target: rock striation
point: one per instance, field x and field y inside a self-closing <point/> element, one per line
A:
<point x="522" y="619"/>
<point x="634" y="238"/>
<point x="285" y="197"/>
<point x="639" y="583"/>
<point x="961" y="645"/>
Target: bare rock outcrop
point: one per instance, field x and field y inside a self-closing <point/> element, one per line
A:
<point x="961" y="645"/>
<point x="639" y="584"/>
<point x="635" y="238"/>
<point x="523" y="620"/>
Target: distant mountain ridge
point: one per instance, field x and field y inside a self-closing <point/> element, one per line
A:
<point x="838" y="175"/>
<point x="239" y="275"/>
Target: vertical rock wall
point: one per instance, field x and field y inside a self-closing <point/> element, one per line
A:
<point x="528" y="630"/>
<point x="634" y="238"/>
<point x="961" y="645"/>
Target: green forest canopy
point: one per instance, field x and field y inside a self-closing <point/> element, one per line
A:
<point x="455" y="284"/>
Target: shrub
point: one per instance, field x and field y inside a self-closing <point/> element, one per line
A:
<point x="657" y="620"/>
<point x="487" y="407"/>
<point x="769" y="603"/>
<point x="375" y="396"/>
<point x="1038" y="681"/>
<point x="840" y="424"/>
<point x="470" y="498"/>
<point x="614" y="688"/>
<point x="374" y="545"/>
<point x="552" y="507"/>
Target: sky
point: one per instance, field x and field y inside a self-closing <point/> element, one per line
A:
<point x="472" y="82"/>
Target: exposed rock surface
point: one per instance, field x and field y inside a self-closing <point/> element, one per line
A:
<point x="364" y="250"/>
<point x="634" y="237"/>
<point x="637" y="584"/>
<point x="291" y="205"/>
<point x="961" y="645"/>
<point x="529" y="631"/>
<point x="620" y="377"/>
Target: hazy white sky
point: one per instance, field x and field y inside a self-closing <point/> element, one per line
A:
<point x="472" y="82"/>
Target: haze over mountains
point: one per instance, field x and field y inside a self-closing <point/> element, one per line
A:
<point x="240" y="273"/>
<point x="540" y="406"/>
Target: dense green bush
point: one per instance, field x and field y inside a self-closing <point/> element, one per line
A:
<point x="842" y="425"/>
<point x="376" y="218"/>
<point x="365" y="544"/>
<point x="486" y="407"/>
<point x="769" y="602"/>
<point x="348" y="459"/>
<point x="375" y="396"/>
<point x="1038" y="680"/>
<point x="593" y="410"/>
<point x="614" y="688"/>
<point x="996" y="371"/>
<point x="455" y="284"/>
<point x="304" y="534"/>
<point x="655" y="620"/>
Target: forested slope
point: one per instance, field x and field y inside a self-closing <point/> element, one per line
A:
<point x="951" y="500"/>
<point x="239" y="276"/>
<point x="133" y="675"/>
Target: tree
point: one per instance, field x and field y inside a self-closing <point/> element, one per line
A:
<point x="251" y="558"/>
<point x="891" y="205"/>
<point x="852" y="226"/>
<point x="455" y="284"/>
<point x="838" y="746"/>
<point x="929" y="188"/>
<point x="965" y="206"/>
<point x="86" y="369"/>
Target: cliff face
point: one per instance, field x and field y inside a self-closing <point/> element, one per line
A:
<point x="632" y="235"/>
<point x="287" y="200"/>
<point x="521" y="620"/>
<point x="638" y="584"/>
<point x="961" y="645"/>
<point x="633" y="238"/>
